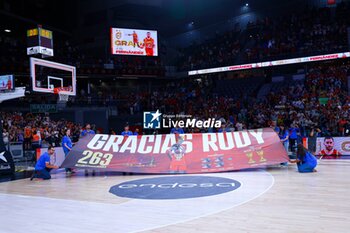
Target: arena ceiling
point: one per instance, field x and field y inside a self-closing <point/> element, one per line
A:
<point x="171" y="17"/>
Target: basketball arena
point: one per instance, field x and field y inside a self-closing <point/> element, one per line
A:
<point x="175" y="116"/>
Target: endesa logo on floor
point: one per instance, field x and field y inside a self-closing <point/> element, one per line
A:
<point x="157" y="120"/>
<point x="175" y="187"/>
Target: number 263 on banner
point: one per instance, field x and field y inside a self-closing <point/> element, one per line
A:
<point x="95" y="159"/>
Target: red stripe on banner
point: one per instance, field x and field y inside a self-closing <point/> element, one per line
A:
<point x="187" y="153"/>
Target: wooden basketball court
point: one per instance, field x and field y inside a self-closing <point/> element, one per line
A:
<point x="276" y="199"/>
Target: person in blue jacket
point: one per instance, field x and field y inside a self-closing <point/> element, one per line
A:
<point x="306" y="161"/>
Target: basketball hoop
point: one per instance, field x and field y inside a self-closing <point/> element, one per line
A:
<point x="62" y="96"/>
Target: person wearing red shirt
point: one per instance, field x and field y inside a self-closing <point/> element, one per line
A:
<point x="135" y="38"/>
<point x="329" y="152"/>
<point x="148" y="44"/>
<point x="9" y="84"/>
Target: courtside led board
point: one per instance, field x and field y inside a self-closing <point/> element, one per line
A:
<point x="48" y="77"/>
<point x="134" y="42"/>
<point x="324" y="57"/>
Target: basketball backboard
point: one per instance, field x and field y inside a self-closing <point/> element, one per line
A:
<point x="48" y="77"/>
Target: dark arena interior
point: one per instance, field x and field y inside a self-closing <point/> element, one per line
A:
<point x="174" y="116"/>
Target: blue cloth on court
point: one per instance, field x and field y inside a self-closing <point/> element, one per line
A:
<point x="127" y="133"/>
<point x="68" y="141"/>
<point x="41" y="163"/>
<point x="136" y="133"/>
<point x="308" y="163"/>
<point x="85" y="132"/>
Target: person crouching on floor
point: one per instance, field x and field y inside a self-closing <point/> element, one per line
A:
<point x="43" y="166"/>
<point x="305" y="160"/>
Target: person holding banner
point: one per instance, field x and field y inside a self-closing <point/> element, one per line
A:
<point x="305" y="160"/>
<point x="43" y="166"/>
<point x="67" y="146"/>
<point x="293" y="136"/>
<point x="284" y="137"/>
<point x="85" y="132"/>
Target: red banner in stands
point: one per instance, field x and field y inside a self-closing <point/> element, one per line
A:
<point x="186" y="153"/>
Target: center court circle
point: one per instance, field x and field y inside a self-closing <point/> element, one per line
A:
<point x="175" y="187"/>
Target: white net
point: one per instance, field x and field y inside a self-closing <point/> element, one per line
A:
<point x="63" y="97"/>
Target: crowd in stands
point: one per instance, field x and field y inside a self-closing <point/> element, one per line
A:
<point x="313" y="31"/>
<point x="35" y="130"/>
<point x="220" y="51"/>
<point x="320" y="101"/>
<point x="300" y="106"/>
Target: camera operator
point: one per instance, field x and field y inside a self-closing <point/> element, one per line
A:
<point x="314" y="133"/>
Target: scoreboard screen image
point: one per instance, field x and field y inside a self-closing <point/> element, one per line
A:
<point x="6" y="82"/>
<point x="134" y="42"/>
